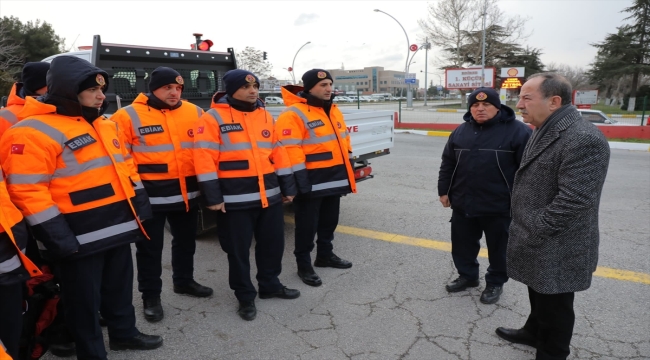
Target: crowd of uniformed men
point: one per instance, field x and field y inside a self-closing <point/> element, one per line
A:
<point x="81" y="187"/>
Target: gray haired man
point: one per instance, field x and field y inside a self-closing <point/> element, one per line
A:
<point x="553" y="244"/>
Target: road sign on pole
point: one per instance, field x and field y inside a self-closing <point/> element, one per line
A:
<point x="409" y="81"/>
<point x="413" y="47"/>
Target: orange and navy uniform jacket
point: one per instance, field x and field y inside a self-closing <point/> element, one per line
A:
<point x="238" y="158"/>
<point x="9" y="114"/>
<point x="3" y="352"/>
<point x="72" y="182"/>
<point x="161" y="143"/>
<point x="14" y="265"/>
<point x="318" y="145"/>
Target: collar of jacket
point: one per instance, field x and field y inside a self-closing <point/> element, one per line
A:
<point x="16" y="96"/>
<point x="239" y="105"/>
<point x="67" y="107"/>
<point x="154" y="102"/>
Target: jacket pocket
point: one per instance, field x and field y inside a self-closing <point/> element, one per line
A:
<point x="92" y="194"/>
<point x="233" y="165"/>
<point x="324" y="156"/>
<point x="152" y="168"/>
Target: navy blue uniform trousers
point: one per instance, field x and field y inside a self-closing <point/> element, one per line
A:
<point x="315" y="216"/>
<point x="101" y="282"/>
<point x="236" y="229"/>
<point x="11" y="317"/>
<point x="149" y="252"/>
<point x="466" y="234"/>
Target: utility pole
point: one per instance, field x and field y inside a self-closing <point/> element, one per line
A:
<point x="426" y="62"/>
<point x="483" y="57"/>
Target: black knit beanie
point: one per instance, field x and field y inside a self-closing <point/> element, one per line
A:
<point x="34" y="74"/>
<point x="164" y="76"/>
<point x="92" y="81"/>
<point x="313" y="77"/>
<point x="234" y="79"/>
<point x="484" y="94"/>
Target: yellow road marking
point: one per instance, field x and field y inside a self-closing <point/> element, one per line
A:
<point x="438" y="133"/>
<point x="604" y="272"/>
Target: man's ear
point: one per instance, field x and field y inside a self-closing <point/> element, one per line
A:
<point x="556" y="103"/>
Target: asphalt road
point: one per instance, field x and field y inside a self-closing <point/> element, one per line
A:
<point x="392" y="303"/>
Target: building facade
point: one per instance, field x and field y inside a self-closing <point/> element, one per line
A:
<point x="370" y="80"/>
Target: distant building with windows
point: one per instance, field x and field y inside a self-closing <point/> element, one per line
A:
<point x="370" y="80"/>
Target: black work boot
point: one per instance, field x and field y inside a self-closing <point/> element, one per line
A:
<point x="247" y="310"/>
<point x="138" y="342"/>
<point x="153" y="311"/>
<point x="461" y="284"/>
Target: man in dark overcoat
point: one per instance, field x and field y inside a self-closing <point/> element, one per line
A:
<point x="553" y="244"/>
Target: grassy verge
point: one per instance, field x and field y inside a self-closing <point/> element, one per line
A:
<point x="616" y="110"/>
<point x="633" y="140"/>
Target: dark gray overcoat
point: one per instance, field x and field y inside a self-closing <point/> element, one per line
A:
<point x="553" y="244"/>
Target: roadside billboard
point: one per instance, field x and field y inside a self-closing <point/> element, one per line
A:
<point x="456" y="79"/>
<point x="583" y="99"/>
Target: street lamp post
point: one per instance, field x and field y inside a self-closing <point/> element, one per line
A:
<point x="409" y="101"/>
<point x="293" y="68"/>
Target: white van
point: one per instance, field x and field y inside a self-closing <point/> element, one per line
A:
<point x="274" y="100"/>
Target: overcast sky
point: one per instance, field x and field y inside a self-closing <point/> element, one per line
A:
<point x="341" y="32"/>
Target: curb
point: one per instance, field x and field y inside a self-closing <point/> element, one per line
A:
<point x="612" y="144"/>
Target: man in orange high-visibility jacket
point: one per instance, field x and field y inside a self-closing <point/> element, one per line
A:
<point x="159" y="130"/>
<point x="243" y="171"/>
<point x="33" y="84"/>
<point x="15" y="269"/>
<point x="314" y="133"/>
<point x="67" y="171"/>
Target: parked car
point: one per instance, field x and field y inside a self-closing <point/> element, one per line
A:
<point x="274" y="100"/>
<point x="343" y="99"/>
<point x="599" y="118"/>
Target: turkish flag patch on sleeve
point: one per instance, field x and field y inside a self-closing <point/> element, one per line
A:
<point x="17" y="148"/>
<point x="286" y="132"/>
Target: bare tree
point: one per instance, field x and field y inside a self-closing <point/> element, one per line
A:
<point x="11" y="56"/>
<point x="253" y="60"/>
<point x="577" y="75"/>
<point x="456" y="27"/>
<point x="446" y="24"/>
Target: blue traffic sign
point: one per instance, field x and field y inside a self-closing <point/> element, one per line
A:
<point x="409" y="81"/>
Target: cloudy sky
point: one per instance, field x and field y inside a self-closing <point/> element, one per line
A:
<point x="342" y="33"/>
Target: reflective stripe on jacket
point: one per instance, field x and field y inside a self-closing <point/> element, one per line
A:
<point x="9" y="114"/>
<point x="161" y="143"/>
<point x="72" y="181"/>
<point x="238" y="159"/>
<point x="14" y="265"/>
<point x="318" y="146"/>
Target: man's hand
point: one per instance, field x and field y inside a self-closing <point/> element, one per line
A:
<point x="444" y="200"/>
<point x="218" y="207"/>
<point x="287" y="199"/>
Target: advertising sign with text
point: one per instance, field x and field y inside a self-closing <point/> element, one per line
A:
<point x="468" y="78"/>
